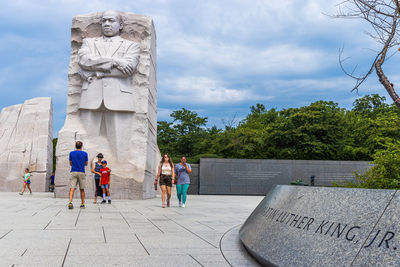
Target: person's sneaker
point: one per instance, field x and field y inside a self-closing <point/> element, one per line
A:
<point x="21" y="193"/>
<point x="109" y="201"/>
<point x="180" y="204"/>
<point x="183" y="205"/>
<point x="82" y="206"/>
<point x="70" y="206"/>
<point x="104" y="201"/>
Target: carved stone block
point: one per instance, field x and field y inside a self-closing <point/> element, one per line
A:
<point x="321" y="226"/>
<point x="26" y="141"/>
<point x="112" y="108"/>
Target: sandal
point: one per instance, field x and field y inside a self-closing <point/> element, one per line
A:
<point x="163" y="205"/>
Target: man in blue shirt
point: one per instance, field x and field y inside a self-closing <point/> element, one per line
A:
<point x="51" y="187"/>
<point x="78" y="159"/>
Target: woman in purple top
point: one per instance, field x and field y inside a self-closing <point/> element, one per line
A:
<point x="182" y="171"/>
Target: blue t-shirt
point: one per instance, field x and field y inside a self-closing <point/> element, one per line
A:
<point x="182" y="174"/>
<point x="78" y="159"/>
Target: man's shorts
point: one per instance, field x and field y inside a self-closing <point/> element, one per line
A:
<point x="166" y="180"/>
<point x="104" y="186"/>
<point x="78" y="178"/>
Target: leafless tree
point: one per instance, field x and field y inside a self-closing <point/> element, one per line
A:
<point x="383" y="17"/>
<point x="231" y="122"/>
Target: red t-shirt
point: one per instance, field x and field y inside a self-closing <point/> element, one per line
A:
<point x="105" y="175"/>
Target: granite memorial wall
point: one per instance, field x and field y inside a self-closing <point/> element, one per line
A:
<point x="258" y="176"/>
<point x="320" y="226"/>
<point x="194" y="180"/>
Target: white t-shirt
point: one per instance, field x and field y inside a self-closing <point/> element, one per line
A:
<point x="166" y="169"/>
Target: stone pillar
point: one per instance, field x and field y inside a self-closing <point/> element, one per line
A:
<point x="111" y="112"/>
<point x="26" y="141"/>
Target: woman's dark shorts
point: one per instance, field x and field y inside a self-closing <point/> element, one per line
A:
<point x="166" y="180"/>
<point x="99" y="191"/>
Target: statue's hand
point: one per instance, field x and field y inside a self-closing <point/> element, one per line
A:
<point x="125" y="68"/>
<point x="129" y="69"/>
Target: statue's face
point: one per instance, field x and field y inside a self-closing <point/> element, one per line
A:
<point x="110" y="24"/>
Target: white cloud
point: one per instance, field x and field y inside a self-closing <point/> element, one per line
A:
<point x="18" y="41"/>
<point x="163" y="114"/>
<point x="322" y="84"/>
<point x="55" y="86"/>
<point x="204" y="90"/>
<point x="241" y="60"/>
<point x="292" y="89"/>
<point x="56" y="11"/>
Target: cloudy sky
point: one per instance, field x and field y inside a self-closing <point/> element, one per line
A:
<point x="216" y="57"/>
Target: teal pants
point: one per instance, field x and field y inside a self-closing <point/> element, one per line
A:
<point x="181" y="190"/>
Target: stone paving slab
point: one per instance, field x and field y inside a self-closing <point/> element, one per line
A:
<point x="233" y="251"/>
<point x="39" y="230"/>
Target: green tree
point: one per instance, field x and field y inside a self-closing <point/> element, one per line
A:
<point x="184" y="135"/>
<point x="370" y="104"/>
<point x="247" y="140"/>
<point x="370" y="125"/>
<point x="188" y="121"/>
<point x="313" y="132"/>
<point x="166" y="137"/>
<point x="385" y="174"/>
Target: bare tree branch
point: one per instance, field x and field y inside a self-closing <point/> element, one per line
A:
<point x="378" y="65"/>
<point x="383" y="18"/>
<point x="231" y="122"/>
<point x="359" y="79"/>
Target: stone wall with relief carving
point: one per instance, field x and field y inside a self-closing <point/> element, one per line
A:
<point x="133" y="172"/>
<point x="26" y="141"/>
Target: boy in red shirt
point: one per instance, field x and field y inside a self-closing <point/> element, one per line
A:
<point x="105" y="181"/>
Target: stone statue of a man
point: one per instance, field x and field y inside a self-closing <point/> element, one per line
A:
<point x="112" y="101"/>
<point x="107" y="65"/>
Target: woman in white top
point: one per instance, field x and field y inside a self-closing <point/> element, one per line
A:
<point x="166" y="175"/>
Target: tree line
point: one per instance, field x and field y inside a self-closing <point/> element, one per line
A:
<point x="369" y="131"/>
<point x="319" y="131"/>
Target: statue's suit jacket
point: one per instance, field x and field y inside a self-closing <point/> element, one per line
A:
<point x="102" y="83"/>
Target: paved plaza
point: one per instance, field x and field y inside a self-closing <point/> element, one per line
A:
<point x="39" y="230"/>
